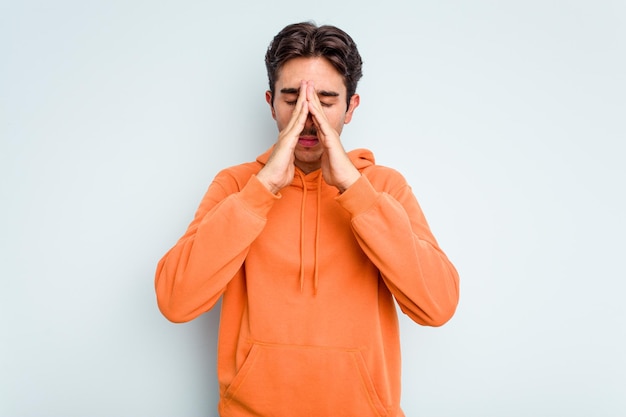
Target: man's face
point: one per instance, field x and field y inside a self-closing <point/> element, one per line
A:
<point x="331" y="91"/>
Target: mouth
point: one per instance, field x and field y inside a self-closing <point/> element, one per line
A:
<point x="308" y="141"/>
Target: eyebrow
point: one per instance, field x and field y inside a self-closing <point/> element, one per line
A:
<point x="323" y="93"/>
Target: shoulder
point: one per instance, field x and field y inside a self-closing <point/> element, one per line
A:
<point x="384" y="178"/>
<point x="234" y="178"/>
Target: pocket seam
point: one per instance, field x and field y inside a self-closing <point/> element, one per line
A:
<point x="355" y="355"/>
<point x="368" y="384"/>
<point x="240" y="377"/>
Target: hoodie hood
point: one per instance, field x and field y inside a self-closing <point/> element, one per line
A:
<point x="361" y="158"/>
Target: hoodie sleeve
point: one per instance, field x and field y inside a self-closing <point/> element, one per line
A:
<point x="193" y="274"/>
<point x="392" y="230"/>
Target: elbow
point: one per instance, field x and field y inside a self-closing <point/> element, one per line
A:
<point x="440" y="316"/>
<point x="174" y="308"/>
<point x="169" y="299"/>
<point x="445" y="310"/>
<point x="435" y="312"/>
<point x="436" y="316"/>
<point x="446" y="304"/>
<point x="175" y="315"/>
<point x="183" y="307"/>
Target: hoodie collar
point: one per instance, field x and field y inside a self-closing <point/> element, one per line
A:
<point x="361" y="158"/>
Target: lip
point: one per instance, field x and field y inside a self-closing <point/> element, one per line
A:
<point x="308" y="141"/>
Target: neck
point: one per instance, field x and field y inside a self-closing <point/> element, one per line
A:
<point x="308" y="167"/>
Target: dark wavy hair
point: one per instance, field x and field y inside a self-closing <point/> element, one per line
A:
<point x="308" y="40"/>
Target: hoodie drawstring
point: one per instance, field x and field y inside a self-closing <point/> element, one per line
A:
<point x="304" y="192"/>
<point x="317" y="230"/>
<point x="318" y="221"/>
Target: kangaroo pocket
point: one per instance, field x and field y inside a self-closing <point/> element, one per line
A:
<point x="281" y="381"/>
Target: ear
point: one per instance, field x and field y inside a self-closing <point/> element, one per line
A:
<point x="268" y="98"/>
<point x="355" y="100"/>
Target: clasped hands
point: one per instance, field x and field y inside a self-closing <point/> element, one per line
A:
<point x="337" y="169"/>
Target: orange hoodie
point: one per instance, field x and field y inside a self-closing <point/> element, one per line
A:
<point x="308" y="324"/>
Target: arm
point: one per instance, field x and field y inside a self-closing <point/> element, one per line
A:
<point x="192" y="275"/>
<point x="391" y="229"/>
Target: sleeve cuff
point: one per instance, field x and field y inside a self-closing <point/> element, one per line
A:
<point x="257" y="198"/>
<point x="359" y="198"/>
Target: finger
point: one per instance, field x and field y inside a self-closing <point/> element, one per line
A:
<point x="298" y="120"/>
<point x="300" y="112"/>
<point x="319" y="116"/>
<point x="314" y="100"/>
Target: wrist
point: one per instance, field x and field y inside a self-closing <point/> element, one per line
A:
<point x="348" y="183"/>
<point x="266" y="183"/>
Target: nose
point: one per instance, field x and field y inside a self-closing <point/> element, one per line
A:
<point x="309" y="126"/>
<point x="309" y="120"/>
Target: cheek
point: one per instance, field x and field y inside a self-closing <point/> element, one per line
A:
<point x="335" y="117"/>
<point x="282" y="117"/>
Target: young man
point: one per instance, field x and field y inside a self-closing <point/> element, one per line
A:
<point x="309" y="246"/>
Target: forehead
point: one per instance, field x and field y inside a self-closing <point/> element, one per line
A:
<point x="316" y="69"/>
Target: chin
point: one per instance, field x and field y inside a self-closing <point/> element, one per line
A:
<point x="308" y="154"/>
<point x="313" y="160"/>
